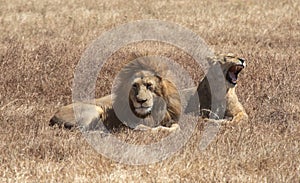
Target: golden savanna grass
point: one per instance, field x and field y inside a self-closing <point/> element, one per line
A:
<point x="41" y="43"/>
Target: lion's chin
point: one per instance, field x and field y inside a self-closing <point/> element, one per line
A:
<point x="143" y="110"/>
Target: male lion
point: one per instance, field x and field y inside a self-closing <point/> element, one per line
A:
<point x="144" y="96"/>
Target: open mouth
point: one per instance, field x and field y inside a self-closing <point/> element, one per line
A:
<point x="232" y="73"/>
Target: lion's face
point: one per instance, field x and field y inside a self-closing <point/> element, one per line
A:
<point x="145" y="87"/>
<point x="144" y="90"/>
<point x="231" y="66"/>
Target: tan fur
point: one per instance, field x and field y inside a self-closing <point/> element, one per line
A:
<point x="234" y="108"/>
<point x="134" y="81"/>
<point x="143" y="72"/>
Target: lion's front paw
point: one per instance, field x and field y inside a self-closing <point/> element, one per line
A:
<point x="142" y="127"/>
<point x="241" y="117"/>
<point x="216" y="121"/>
<point x="175" y="127"/>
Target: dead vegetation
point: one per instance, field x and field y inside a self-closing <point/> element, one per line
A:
<point x="42" y="42"/>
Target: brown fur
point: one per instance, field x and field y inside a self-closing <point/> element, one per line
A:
<point x="232" y="107"/>
<point x="141" y="72"/>
<point x="153" y="70"/>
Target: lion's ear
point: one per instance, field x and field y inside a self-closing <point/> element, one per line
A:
<point x="159" y="77"/>
<point x="215" y="59"/>
<point x="212" y="60"/>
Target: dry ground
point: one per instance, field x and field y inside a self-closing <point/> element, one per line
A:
<point x="42" y="41"/>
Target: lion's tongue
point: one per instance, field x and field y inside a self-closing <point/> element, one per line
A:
<point x="232" y="75"/>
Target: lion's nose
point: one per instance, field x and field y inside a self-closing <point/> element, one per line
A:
<point x="141" y="101"/>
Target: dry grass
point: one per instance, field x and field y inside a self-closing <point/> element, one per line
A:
<point x="42" y="41"/>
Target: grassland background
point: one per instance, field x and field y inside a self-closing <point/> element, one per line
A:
<point x="42" y="41"/>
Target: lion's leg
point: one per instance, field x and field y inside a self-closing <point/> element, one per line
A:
<point x="142" y="127"/>
<point x="174" y="127"/>
<point x="240" y="117"/>
<point x="235" y="109"/>
<point x="64" y="117"/>
<point x="87" y="114"/>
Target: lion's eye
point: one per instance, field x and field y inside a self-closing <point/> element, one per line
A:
<point x="149" y="86"/>
<point x="134" y="86"/>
